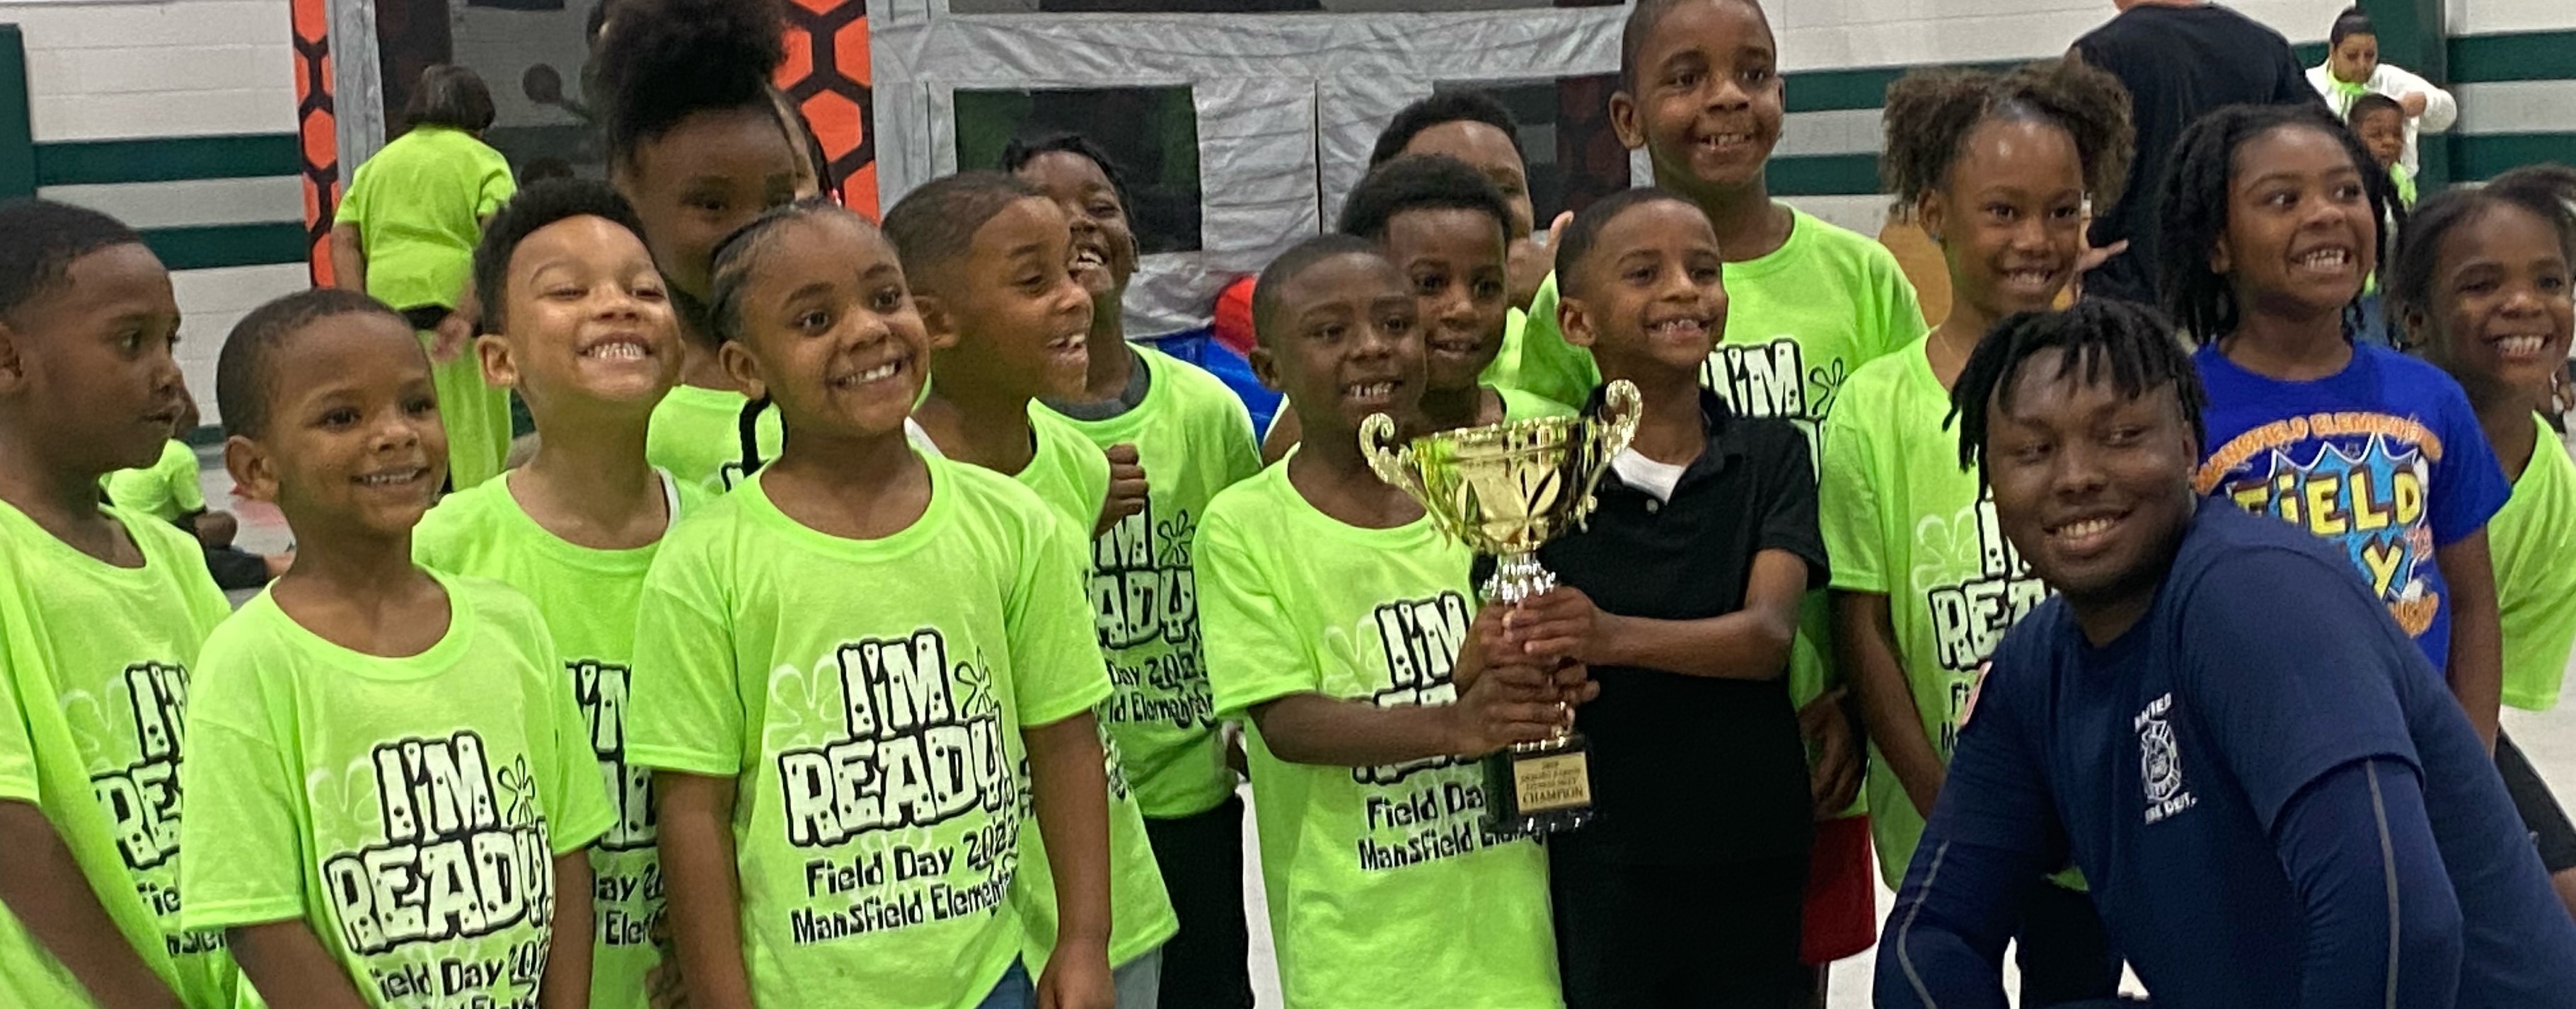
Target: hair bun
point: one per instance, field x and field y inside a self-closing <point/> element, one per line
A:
<point x="661" y="60"/>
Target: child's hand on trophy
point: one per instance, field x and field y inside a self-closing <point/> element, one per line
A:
<point x="1555" y="627"/>
<point x="1500" y="705"/>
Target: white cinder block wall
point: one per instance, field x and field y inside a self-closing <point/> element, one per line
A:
<point x="173" y="68"/>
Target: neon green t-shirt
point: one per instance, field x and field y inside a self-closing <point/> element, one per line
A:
<point x="164" y="490"/>
<point x="2533" y="540"/>
<point x="1194" y="439"/>
<point x="696" y="434"/>
<point x="588" y="598"/>
<point x="1071" y="477"/>
<point x="1385" y="889"/>
<point x="94" y="668"/>
<point x="408" y="809"/>
<point x="419" y="206"/>
<point x="1799" y="323"/>
<point x="868" y="696"/>
<point x="1901" y="519"/>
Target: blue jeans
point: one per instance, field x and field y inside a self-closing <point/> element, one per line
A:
<point x="1015" y="991"/>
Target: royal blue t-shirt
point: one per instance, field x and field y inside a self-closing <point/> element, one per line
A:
<point x="2384" y="458"/>
<point x="2165" y="759"/>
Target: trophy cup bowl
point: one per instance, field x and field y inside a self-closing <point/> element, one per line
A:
<point x="1506" y="489"/>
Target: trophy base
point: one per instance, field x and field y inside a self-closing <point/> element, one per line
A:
<point x="1539" y="788"/>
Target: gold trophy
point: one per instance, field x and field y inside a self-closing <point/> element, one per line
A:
<point x="1504" y="489"/>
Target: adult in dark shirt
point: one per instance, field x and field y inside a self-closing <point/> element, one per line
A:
<point x="1682" y="597"/>
<point x="2270" y="790"/>
<point x="2180" y="60"/>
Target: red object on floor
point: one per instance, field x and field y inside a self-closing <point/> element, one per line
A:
<point x="1841" y="917"/>
<point x="1233" y="325"/>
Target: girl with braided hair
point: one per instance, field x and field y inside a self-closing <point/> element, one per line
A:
<point x="1997" y="167"/>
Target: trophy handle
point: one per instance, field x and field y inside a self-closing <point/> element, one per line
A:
<point x="1391" y="462"/>
<point x="1606" y="435"/>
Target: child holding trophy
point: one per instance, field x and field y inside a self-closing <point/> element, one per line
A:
<point x="1336" y="623"/>
<point x="1682" y="596"/>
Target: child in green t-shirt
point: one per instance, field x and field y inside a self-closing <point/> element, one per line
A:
<point x="1443" y="223"/>
<point x="1996" y="167"/>
<point x="1188" y="429"/>
<point x="697" y="144"/>
<point x="392" y="793"/>
<point x="859" y="667"/>
<point x="2482" y="280"/>
<point x="169" y="490"/>
<point x="2381" y="124"/>
<point x="1338" y="625"/>
<point x="579" y="324"/>
<point x="102" y="613"/>
<point x="990" y="258"/>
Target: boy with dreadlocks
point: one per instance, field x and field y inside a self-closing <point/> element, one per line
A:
<point x="2483" y="283"/>
<point x="1997" y="168"/>
<point x="2255" y="768"/>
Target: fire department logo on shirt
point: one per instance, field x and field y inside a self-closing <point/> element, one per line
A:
<point x="2160" y="762"/>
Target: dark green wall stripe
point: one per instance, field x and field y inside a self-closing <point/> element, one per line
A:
<point x="166" y="159"/>
<point x="2527" y="56"/>
<point x="2309" y="53"/>
<point x="1823" y="175"/>
<point x="2485" y="155"/>
<point x="17" y="141"/>
<point x="218" y="245"/>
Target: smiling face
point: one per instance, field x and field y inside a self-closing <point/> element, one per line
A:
<point x="2094" y="488"/>
<point x="2300" y="234"/>
<point x="88" y="362"/>
<point x="1708" y="100"/>
<point x="712" y="173"/>
<point x="1487" y="150"/>
<point x="1104" y="242"/>
<point x="2010" y="216"/>
<point x="829" y="331"/>
<point x="2384" y="133"/>
<point x="2502" y="311"/>
<point x="353" y="444"/>
<point x="1651" y="303"/>
<point x="1452" y="259"/>
<point x="1012" y="305"/>
<point x="2355" y="59"/>
<point x="587" y="321"/>
<point x="1350" y="345"/>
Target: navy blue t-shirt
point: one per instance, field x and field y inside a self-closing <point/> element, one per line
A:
<point x="2384" y="459"/>
<point x="2164" y="761"/>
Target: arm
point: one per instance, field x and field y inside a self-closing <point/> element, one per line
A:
<point x="348" y="258"/>
<point x="1498" y="707"/>
<point x="1749" y="644"/>
<point x="45" y="889"/>
<point x="1128" y="488"/>
<point x="2476" y="666"/>
<point x="696" y="845"/>
<point x="1284" y="434"/>
<point x="1865" y="641"/>
<point x="2383" y="921"/>
<point x="567" y="979"/>
<point x="1944" y="945"/>
<point x="291" y="968"/>
<point x="1071" y="787"/>
<point x="2440" y="108"/>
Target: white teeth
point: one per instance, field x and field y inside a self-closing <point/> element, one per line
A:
<point x="389" y="479"/>
<point x="2520" y="345"/>
<point x="2324" y="258"/>
<point x="881" y="371"/>
<point x="1373" y="390"/>
<point x="2079" y="530"/>
<point x="1088" y="257"/>
<point x="621" y="350"/>
<point x="1678" y="327"/>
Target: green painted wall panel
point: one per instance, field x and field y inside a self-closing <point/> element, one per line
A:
<point x="17" y="142"/>
<point x="167" y="159"/>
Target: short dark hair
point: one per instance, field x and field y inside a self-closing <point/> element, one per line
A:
<point x="1296" y="261"/>
<point x="1575" y="247"/>
<point x="1931" y="113"/>
<point x="450" y="96"/>
<point x="1643" y="19"/>
<point x="2547" y="191"/>
<point x="2369" y="104"/>
<point x="741" y="251"/>
<point x="39" y="240"/>
<point x="2349" y="23"/>
<point x="1019" y="152"/>
<point x="1421" y="182"/>
<point x="531" y="211"/>
<point x="1443" y="107"/>
<point x="2195" y="205"/>
<point x="245" y="371"/>
<point x="662" y="61"/>
<point x="934" y="226"/>
<point x="2132" y="343"/>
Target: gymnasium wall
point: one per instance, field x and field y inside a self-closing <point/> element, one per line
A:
<point x="177" y="117"/>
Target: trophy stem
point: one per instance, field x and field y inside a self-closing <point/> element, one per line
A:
<point x="1517" y="577"/>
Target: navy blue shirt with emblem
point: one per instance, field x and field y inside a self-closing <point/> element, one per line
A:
<point x="2164" y="760"/>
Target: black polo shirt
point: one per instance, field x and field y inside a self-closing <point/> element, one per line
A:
<point x="1692" y="770"/>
